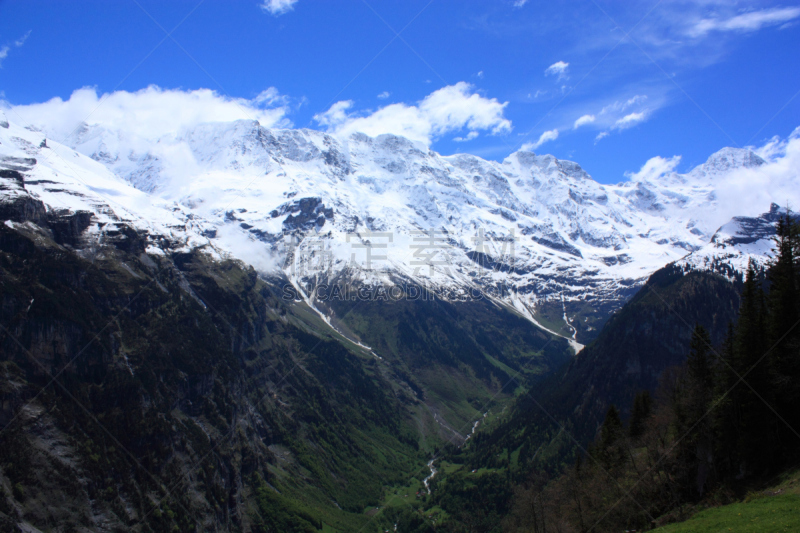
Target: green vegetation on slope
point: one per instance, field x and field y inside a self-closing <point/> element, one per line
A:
<point x="775" y="514"/>
<point x="189" y="396"/>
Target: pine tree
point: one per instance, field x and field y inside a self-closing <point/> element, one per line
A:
<point x="699" y="364"/>
<point x="642" y="408"/>
<point x="784" y="313"/>
<point x="611" y="430"/>
<point x="697" y="447"/>
<point x="610" y="446"/>
<point x="756" y="424"/>
<point x="726" y="413"/>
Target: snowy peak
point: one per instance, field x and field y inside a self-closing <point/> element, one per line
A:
<point x="726" y="160"/>
<point x="748" y="230"/>
<point x="737" y="243"/>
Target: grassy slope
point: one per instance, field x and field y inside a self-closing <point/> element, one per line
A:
<point x="771" y="511"/>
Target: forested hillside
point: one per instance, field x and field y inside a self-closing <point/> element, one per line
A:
<point x="707" y="423"/>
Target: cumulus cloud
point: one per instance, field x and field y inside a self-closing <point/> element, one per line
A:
<point x="278" y="7"/>
<point x="584" y="120"/>
<point x="152" y="112"/>
<point x="5" y="49"/>
<point x="655" y="168"/>
<point x="384" y="95"/>
<point x="549" y="135"/>
<point x="750" y="191"/>
<point x="558" y="69"/>
<point x="746" y="22"/>
<point x="449" y="109"/>
<point x="600" y="136"/>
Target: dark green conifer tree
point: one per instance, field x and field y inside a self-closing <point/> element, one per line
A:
<point x="783" y="330"/>
<point x="642" y="408"/>
<point x="726" y="415"/>
<point x="696" y="448"/>
<point x="757" y="425"/>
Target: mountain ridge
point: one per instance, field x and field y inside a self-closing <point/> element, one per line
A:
<point x="307" y="205"/>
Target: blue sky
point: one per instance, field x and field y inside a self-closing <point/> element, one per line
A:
<point x="649" y="78"/>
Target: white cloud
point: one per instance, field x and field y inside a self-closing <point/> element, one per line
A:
<point x="620" y="106"/>
<point x="750" y="191"/>
<point x="270" y="97"/>
<point x="622" y="123"/>
<point x="655" y="168"/>
<point x="630" y="120"/>
<point x="582" y="121"/>
<point x="245" y="248"/>
<point x="550" y="135"/>
<point x="19" y="42"/>
<point x="744" y="191"/>
<point x="600" y="136"/>
<point x="471" y="135"/>
<point x="480" y="74"/>
<point x="448" y="109"/>
<point x="152" y="112"/>
<point x="384" y="95"/>
<point x="520" y="3"/>
<point x="7" y="48"/>
<point x="278" y="7"/>
<point x="746" y="22"/>
<point x="558" y="69"/>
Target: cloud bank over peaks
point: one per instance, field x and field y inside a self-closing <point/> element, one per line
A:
<point x="150" y="113"/>
<point x="449" y="109"/>
<point x="744" y="190"/>
<point x="750" y="191"/>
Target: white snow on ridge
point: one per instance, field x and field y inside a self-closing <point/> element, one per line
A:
<point x="740" y="242"/>
<point x="526" y="230"/>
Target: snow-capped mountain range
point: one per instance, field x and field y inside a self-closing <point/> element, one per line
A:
<point x="533" y="232"/>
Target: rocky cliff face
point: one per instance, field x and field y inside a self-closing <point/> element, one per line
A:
<point x="142" y="392"/>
